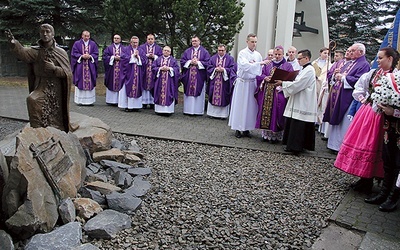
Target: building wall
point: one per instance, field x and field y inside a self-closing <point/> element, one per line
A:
<point x="273" y="21"/>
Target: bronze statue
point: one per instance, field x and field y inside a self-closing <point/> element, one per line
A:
<point x="49" y="80"/>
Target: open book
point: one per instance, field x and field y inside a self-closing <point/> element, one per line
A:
<point x="280" y="74"/>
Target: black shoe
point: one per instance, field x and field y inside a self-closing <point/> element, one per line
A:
<point x="377" y="199"/>
<point x="391" y="203"/>
<point x="264" y="139"/>
<point x="151" y="106"/>
<point x="238" y="134"/>
<point x="273" y="141"/>
<point x="247" y="133"/>
<point x="388" y="206"/>
<point x="324" y="138"/>
<point x="293" y="152"/>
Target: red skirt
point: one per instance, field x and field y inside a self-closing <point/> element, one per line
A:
<point x="361" y="151"/>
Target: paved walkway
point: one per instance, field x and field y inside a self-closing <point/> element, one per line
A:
<point x="352" y="213"/>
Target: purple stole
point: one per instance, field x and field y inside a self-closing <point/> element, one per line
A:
<point x="269" y="95"/>
<point x="164" y="81"/>
<point x="337" y="87"/>
<point x="117" y="69"/>
<point x="217" y="90"/>
<point x="149" y="73"/>
<point x="133" y="91"/>
<point x="193" y="74"/>
<point x="87" y="80"/>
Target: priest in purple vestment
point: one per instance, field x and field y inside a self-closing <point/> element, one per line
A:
<point x="194" y="63"/>
<point x="115" y="60"/>
<point x="221" y="71"/>
<point x="166" y="82"/>
<point x="84" y="60"/>
<point x="130" y="95"/>
<point x="271" y="100"/>
<point x="152" y="51"/>
<point x="341" y="97"/>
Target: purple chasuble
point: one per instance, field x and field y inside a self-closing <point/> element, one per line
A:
<point x="271" y="102"/>
<point x="337" y="65"/>
<point x="115" y="74"/>
<point x="85" y="71"/>
<point x="340" y="98"/>
<point x="148" y="82"/>
<point x="165" y="85"/>
<point x="193" y="78"/>
<point x="220" y="91"/>
<point x="134" y="73"/>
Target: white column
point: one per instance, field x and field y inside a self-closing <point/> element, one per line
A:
<point x="284" y="23"/>
<point x="266" y="26"/>
<point x="250" y="25"/>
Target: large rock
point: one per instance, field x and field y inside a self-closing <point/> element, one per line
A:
<point x="4" y="172"/>
<point x="67" y="211"/>
<point x="139" y="188"/>
<point x="6" y="242"/>
<point x="107" y="224"/>
<point x="124" y="203"/>
<point x="7" y="146"/>
<point x="92" y="194"/>
<point x="28" y="200"/>
<point x="93" y="134"/>
<point x="111" y="154"/>
<point x="86" y="207"/>
<point x="86" y="246"/>
<point x="103" y="187"/>
<point x="65" y="237"/>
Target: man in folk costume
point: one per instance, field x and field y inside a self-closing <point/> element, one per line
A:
<point x="301" y="108"/>
<point x="340" y="96"/>
<point x="194" y="63"/>
<point x="391" y="148"/>
<point x="152" y="51"/>
<point x="84" y="60"/>
<point x="271" y="100"/>
<point x="243" y="113"/>
<point x="166" y="83"/>
<point x="115" y="60"/>
<point x="222" y="74"/>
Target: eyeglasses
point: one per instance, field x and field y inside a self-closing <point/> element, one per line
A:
<point x="221" y="50"/>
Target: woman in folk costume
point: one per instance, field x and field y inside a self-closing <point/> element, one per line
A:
<point x="322" y="66"/>
<point x="270" y="99"/>
<point x="361" y="151"/>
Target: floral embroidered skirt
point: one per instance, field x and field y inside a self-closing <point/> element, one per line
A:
<point x="361" y="151"/>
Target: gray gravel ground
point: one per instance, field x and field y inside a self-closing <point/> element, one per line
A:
<point x="207" y="197"/>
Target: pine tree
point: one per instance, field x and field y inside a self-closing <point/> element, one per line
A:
<point x="360" y="21"/>
<point x="68" y="17"/>
<point x="176" y="21"/>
